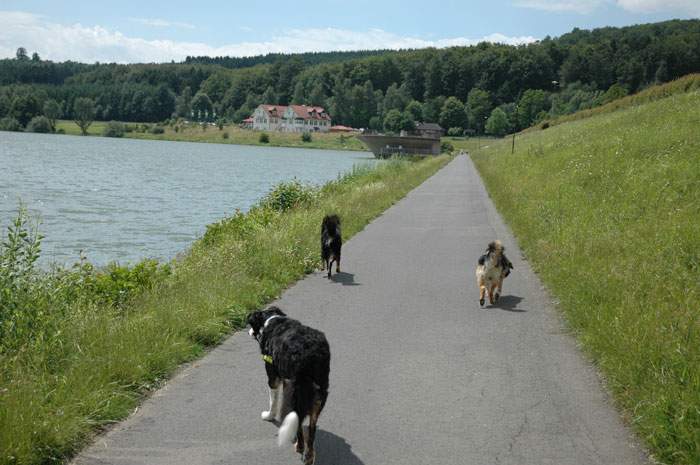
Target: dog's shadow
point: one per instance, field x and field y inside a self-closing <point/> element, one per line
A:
<point x="346" y="279"/>
<point x="508" y="303"/>
<point x="334" y="450"/>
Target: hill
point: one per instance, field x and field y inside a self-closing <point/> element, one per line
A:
<point x="606" y="208"/>
<point x="488" y="87"/>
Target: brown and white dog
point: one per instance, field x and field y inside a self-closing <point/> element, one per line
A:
<point x="493" y="267"/>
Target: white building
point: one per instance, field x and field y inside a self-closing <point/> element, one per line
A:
<point x="292" y="118"/>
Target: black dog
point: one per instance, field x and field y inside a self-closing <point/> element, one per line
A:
<point x="296" y="357"/>
<point x="331" y="242"/>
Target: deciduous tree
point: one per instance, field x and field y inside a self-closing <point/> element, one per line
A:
<point x="83" y="113"/>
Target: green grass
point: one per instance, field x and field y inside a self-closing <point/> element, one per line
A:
<point x="91" y="364"/>
<point x="607" y="209"/>
<point x="236" y="135"/>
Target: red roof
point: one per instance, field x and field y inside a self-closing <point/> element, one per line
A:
<point x="301" y="111"/>
<point x="341" y="128"/>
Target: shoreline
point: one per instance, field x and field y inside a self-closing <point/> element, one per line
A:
<point x="234" y="136"/>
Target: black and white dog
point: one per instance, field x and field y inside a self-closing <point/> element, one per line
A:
<point x="331" y="243"/>
<point x="298" y="358"/>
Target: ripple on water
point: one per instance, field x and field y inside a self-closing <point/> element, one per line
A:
<point x="125" y="199"/>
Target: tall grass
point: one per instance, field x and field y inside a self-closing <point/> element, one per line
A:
<point x="96" y="357"/>
<point x="608" y="211"/>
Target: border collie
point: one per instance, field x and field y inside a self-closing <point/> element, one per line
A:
<point x="298" y="358"/>
<point x="331" y="242"/>
<point x="493" y="267"/>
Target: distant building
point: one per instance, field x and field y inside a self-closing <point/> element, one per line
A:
<point x="430" y="130"/>
<point x="292" y="118"/>
<point x="247" y="123"/>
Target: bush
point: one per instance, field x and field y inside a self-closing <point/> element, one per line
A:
<point x="446" y="147"/>
<point x="9" y="123"/>
<point x="114" y="129"/>
<point x="39" y="124"/>
<point x="306" y="137"/>
<point x="264" y="138"/>
<point x="455" y="132"/>
<point x="60" y="131"/>
<point x="287" y="195"/>
<point x="224" y="135"/>
<point x="157" y="130"/>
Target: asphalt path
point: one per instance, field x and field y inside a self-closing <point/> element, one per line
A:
<point x="420" y="373"/>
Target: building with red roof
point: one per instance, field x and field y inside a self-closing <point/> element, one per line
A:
<point x="291" y="118"/>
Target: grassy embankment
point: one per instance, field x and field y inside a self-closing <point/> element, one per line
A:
<point x="607" y="209"/>
<point x="71" y="362"/>
<point x="236" y="135"/>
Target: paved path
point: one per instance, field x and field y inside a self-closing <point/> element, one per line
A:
<point x="419" y="373"/>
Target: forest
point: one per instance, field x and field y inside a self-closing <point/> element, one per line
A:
<point x="486" y="88"/>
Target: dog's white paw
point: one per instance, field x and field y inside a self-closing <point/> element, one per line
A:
<point x="267" y="415"/>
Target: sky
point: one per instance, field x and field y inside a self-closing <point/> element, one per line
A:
<point x="130" y="31"/>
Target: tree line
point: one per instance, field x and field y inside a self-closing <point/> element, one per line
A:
<point x="493" y="88"/>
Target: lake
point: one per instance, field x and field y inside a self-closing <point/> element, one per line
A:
<point x="125" y="199"/>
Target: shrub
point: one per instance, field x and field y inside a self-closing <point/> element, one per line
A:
<point x="60" y="131"/>
<point x="289" y="194"/>
<point x="114" y="129"/>
<point x="9" y="123"/>
<point x="545" y="125"/>
<point x="446" y="147"/>
<point x="306" y="137"/>
<point x="116" y="284"/>
<point x="455" y="132"/>
<point x="39" y="124"/>
<point x="224" y="135"/>
<point x="157" y="130"/>
<point x="264" y="138"/>
<point x="177" y="128"/>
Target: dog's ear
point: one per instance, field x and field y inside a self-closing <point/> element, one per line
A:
<point x="274" y="310"/>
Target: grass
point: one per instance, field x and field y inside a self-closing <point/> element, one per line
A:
<point x="607" y="209"/>
<point x="236" y="135"/>
<point x="677" y="87"/>
<point x="91" y="364"/>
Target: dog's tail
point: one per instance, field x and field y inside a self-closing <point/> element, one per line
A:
<point x="304" y="393"/>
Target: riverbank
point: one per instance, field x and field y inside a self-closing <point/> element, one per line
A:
<point x="85" y="359"/>
<point x="229" y="134"/>
<point x="605" y="207"/>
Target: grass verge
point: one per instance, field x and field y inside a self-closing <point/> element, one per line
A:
<point x="89" y="364"/>
<point x="607" y="209"/>
<point x="234" y="135"/>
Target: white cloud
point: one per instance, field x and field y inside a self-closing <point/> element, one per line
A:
<point x="157" y="22"/>
<point x="691" y="7"/>
<point x="575" y="6"/>
<point x="76" y="42"/>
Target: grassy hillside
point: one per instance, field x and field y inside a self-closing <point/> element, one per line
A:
<point x="73" y="359"/>
<point x="607" y="209"/>
<point x="234" y="135"/>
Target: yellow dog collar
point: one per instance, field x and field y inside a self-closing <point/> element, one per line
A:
<point x="267" y="359"/>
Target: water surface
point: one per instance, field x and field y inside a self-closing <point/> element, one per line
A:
<point x="126" y="199"/>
